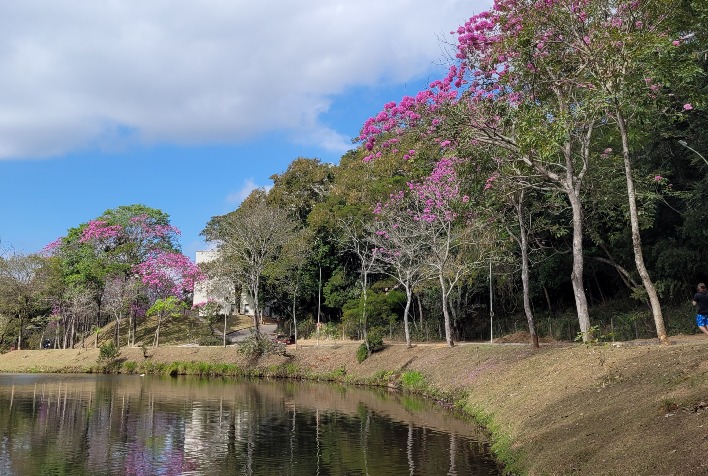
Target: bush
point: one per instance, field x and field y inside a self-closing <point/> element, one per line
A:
<point x="413" y="380"/>
<point x="130" y="367"/>
<point x="257" y="345"/>
<point x="210" y="340"/>
<point x="375" y="344"/>
<point x="362" y="353"/>
<point x="108" y="352"/>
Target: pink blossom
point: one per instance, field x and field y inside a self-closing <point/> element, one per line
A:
<point x="168" y="273"/>
<point x="687" y="106"/>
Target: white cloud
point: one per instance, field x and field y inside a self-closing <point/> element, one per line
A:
<point x="249" y="185"/>
<point x="82" y="73"/>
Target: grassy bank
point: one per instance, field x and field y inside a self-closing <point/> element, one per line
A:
<point x="564" y="409"/>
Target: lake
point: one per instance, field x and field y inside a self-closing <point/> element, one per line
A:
<point x="152" y="425"/>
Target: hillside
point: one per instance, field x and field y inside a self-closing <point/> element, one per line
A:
<point x="638" y="408"/>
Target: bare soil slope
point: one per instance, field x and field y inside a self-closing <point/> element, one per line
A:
<point x="634" y="409"/>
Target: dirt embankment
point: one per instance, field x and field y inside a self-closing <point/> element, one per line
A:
<point x="634" y="409"/>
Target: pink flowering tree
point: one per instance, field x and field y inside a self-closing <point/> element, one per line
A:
<point x="104" y="255"/>
<point x="428" y="231"/>
<point x="455" y="240"/>
<point x="169" y="274"/>
<point x="539" y="80"/>
<point x="401" y="245"/>
<point x="170" y="278"/>
<point x="484" y="102"/>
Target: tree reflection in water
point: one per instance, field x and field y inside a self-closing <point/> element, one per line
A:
<point x="116" y="425"/>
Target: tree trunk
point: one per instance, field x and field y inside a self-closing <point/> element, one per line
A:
<point x="406" y="325"/>
<point x="523" y="236"/>
<point x="156" y="342"/>
<point x="576" y="276"/>
<point x="256" y="310"/>
<point x="446" y="312"/>
<point x="363" y="319"/>
<point x="636" y="237"/>
<point x="19" y="333"/>
<point x="225" y="318"/>
<point x="72" y="333"/>
<point x="420" y="311"/>
<point x="294" y="317"/>
<point x="118" y="333"/>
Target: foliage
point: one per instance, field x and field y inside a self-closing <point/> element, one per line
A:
<point x="413" y="380"/>
<point x="209" y="341"/>
<point x="108" y="352"/>
<point x="373" y="343"/>
<point x="523" y="156"/>
<point x="258" y="345"/>
<point x="116" y="266"/>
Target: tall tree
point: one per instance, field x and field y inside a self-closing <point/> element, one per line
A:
<point x="356" y="236"/>
<point x="402" y="248"/>
<point x="20" y="288"/>
<point x="249" y="239"/>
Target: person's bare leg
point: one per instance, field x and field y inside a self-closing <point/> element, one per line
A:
<point x="704" y="329"/>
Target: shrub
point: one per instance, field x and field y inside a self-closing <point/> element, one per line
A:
<point x="108" y="352"/>
<point x="375" y="344"/>
<point x="413" y="380"/>
<point x="130" y="367"/>
<point x="257" y="345"/>
<point x="362" y="353"/>
<point x="210" y="340"/>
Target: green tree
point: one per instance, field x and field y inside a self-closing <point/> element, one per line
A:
<point x="165" y="308"/>
<point x="21" y="288"/>
<point x="304" y="184"/>
<point x="248" y="240"/>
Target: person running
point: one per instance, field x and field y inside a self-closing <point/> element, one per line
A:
<point x="700" y="299"/>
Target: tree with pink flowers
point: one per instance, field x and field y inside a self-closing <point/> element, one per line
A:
<point x="545" y="82"/>
<point x="428" y="231"/>
<point x="400" y="241"/>
<point x="106" y="254"/>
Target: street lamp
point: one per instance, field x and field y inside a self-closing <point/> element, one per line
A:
<point x="683" y="143"/>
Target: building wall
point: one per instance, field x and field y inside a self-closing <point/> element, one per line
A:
<point x="221" y="291"/>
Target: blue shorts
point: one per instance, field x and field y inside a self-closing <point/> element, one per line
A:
<point x="701" y="320"/>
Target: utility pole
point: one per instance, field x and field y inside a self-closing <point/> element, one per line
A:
<point x="319" y="303"/>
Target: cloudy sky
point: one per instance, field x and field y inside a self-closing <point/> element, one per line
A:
<point x="187" y="106"/>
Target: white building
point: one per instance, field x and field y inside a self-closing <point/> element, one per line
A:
<point x="222" y="291"/>
<point x="213" y="289"/>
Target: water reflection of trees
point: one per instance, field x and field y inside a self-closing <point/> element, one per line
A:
<point x="132" y="425"/>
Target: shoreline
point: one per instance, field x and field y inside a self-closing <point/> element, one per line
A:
<point x="603" y="409"/>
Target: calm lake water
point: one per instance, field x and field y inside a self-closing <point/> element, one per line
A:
<point x="131" y="425"/>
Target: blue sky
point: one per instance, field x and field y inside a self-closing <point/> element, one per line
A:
<point x="187" y="106"/>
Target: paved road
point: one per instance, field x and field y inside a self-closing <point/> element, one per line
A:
<point x="242" y="334"/>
